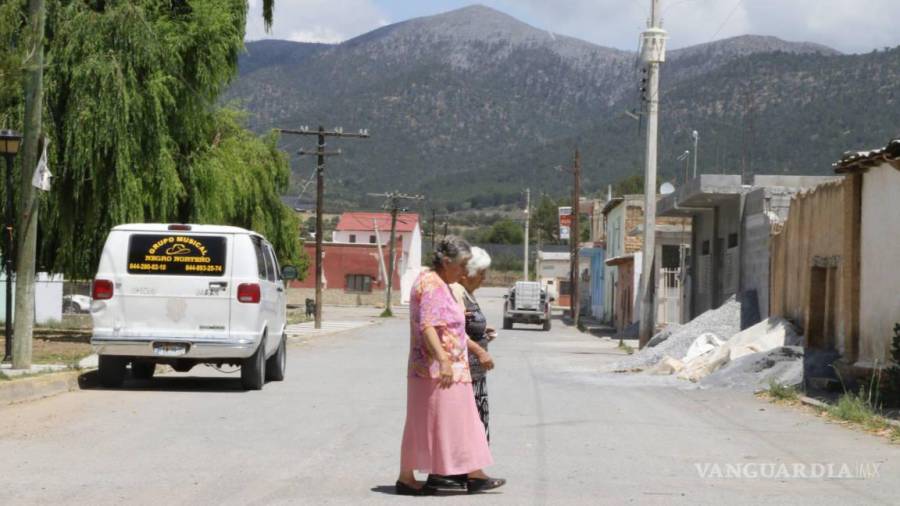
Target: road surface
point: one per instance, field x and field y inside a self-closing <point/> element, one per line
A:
<point x="330" y="434"/>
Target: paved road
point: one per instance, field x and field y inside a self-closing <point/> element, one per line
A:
<point x="330" y="434"/>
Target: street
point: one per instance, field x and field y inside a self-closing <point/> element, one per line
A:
<point x="330" y="434"/>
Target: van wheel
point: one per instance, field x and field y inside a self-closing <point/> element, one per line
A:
<point x="277" y="363"/>
<point x="507" y="324"/>
<point x="547" y="324"/>
<point x="141" y="370"/>
<point x="111" y="370"/>
<point x="253" y="369"/>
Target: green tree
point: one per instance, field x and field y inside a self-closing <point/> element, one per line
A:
<point x="631" y="185"/>
<point x="137" y="134"/>
<point x="506" y="231"/>
<point x="545" y="221"/>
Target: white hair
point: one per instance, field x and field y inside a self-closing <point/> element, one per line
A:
<point x="479" y="262"/>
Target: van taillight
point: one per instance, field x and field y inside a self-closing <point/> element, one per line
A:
<point x="248" y="293"/>
<point x="102" y="289"/>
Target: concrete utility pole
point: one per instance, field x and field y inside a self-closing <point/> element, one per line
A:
<point x="392" y="203"/>
<point x="696" y="136"/>
<point x="27" y="233"/>
<point x="320" y="153"/>
<point x="653" y="53"/>
<point x="527" y="226"/>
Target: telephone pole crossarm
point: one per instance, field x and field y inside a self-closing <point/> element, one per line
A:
<point x="321" y="154"/>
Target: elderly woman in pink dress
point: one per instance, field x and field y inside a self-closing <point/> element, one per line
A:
<point x="443" y="434"/>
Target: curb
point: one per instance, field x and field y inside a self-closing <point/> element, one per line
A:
<point x="38" y="387"/>
<point x="809" y="401"/>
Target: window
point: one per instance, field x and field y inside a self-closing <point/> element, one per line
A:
<point x="359" y="283"/>
<point x="176" y="254"/>
<point x="671" y="257"/>
<point x="271" y="265"/>
<point x="732" y="240"/>
<point x="260" y="258"/>
<point x="352" y="238"/>
<point x="371" y="239"/>
<point x="704" y="249"/>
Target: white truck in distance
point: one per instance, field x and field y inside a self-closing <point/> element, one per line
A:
<point x="183" y="295"/>
<point x="527" y="302"/>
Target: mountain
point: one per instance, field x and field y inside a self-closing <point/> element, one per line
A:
<point x="474" y="105"/>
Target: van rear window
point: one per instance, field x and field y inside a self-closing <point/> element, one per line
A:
<point x="176" y="254"/>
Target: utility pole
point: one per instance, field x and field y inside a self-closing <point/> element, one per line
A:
<point x="27" y="233"/>
<point x="527" y="227"/>
<point x="433" y="217"/>
<point x="574" y="237"/>
<point x="653" y="53"/>
<point x="696" y="136"/>
<point x="320" y="153"/>
<point x="392" y="203"/>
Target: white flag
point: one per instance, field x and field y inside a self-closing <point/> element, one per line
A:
<point x="42" y="175"/>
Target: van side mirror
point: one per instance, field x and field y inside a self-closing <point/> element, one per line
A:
<point x="290" y="273"/>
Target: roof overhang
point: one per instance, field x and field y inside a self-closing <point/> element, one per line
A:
<point x="864" y="160"/>
<point x="703" y="193"/>
<point x="620" y="260"/>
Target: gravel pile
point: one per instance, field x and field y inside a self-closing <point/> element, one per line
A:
<point x="754" y="372"/>
<point x="724" y="322"/>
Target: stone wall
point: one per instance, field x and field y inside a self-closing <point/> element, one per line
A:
<point x="339" y="297"/>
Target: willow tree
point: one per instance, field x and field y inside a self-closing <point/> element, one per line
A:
<point x="137" y="133"/>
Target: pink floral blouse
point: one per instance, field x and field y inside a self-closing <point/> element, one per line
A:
<point x="432" y="305"/>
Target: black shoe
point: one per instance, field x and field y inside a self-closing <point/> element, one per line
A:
<point x="456" y="482"/>
<point x="404" y="489"/>
<point x="476" y="485"/>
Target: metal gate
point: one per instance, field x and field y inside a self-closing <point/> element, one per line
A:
<point x="669" y="296"/>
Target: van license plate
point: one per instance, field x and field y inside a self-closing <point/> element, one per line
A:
<point x="169" y="349"/>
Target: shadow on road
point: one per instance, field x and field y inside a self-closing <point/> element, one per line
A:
<point x="91" y="381"/>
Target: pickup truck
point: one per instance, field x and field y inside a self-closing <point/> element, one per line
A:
<point x="527" y="302"/>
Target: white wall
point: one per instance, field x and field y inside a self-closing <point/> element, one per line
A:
<point x="48" y="294"/>
<point x="412" y="265"/>
<point x="879" y="269"/>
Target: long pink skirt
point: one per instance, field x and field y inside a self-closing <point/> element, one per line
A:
<point x="443" y="433"/>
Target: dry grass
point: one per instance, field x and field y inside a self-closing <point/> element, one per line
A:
<point x="46" y="351"/>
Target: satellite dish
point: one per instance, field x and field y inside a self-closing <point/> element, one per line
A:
<point x="666" y="188"/>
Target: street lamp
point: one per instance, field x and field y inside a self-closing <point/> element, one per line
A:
<point x="9" y="147"/>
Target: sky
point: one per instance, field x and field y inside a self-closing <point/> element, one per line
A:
<point x="851" y="26"/>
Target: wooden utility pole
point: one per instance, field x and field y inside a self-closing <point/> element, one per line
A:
<point x="653" y="53"/>
<point x="320" y="153"/>
<point x="392" y="203"/>
<point x="574" y="236"/>
<point x="27" y="233"/>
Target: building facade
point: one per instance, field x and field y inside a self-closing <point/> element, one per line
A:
<point x="375" y="229"/>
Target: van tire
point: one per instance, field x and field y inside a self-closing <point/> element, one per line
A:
<point x="507" y="324"/>
<point x="111" y="370"/>
<point x="547" y="324"/>
<point x="277" y="363"/>
<point x="141" y="370"/>
<point x="253" y="369"/>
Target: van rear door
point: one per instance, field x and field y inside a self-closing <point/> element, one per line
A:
<point x="177" y="286"/>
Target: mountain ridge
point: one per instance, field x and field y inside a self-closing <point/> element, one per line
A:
<point x="475" y="93"/>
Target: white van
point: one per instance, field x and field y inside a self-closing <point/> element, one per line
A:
<point x="188" y="294"/>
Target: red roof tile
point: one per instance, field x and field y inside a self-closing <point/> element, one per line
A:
<point x="363" y="222"/>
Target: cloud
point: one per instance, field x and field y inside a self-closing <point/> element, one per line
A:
<point x="847" y="25"/>
<point x="327" y="21"/>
